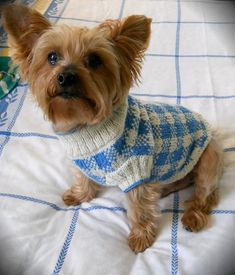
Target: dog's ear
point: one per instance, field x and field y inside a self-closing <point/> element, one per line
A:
<point x="130" y="38"/>
<point x="24" y="26"/>
<point x="133" y="31"/>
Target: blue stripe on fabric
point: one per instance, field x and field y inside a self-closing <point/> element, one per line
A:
<point x="23" y="135"/>
<point x="74" y="19"/>
<point x="153" y="22"/>
<point x="196" y="22"/>
<point x="176" y="211"/>
<point x="177" y="50"/>
<point x="18" y="109"/>
<point x="189" y="55"/>
<point x="100" y="207"/>
<point x="212" y="212"/>
<point x="52" y="7"/>
<point x="14" y="119"/>
<point x="122" y="9"/>
<point x="227" y="212"/>
<point x="97" y="207"/>
<point x="231" y="149"/>
<point x="38" y="201"/>
<point x="66" y="4"/>
<point x="23" y="84"/>
<point x="174" y="236"/>
<point x="67" y="133"/>
<point x="58" y="208"/>
<point x="184" y="97"/>
<point x="67" y="242"/>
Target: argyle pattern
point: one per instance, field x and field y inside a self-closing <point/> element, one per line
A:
<point x="159" y="143"/>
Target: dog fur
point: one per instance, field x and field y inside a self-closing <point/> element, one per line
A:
<point x="120" y="44"/>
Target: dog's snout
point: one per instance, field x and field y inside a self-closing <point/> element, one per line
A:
<point x="69" y="84"/>
<point x="67" y="79"/>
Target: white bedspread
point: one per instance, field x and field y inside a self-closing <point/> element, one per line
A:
<point x="190" y="61"/>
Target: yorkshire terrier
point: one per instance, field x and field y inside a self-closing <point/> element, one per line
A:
<point x="81" y="78"/>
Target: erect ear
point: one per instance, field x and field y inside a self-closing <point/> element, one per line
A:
<point x="134" y="29"/>
<point x="130" y="38"/>
<point x="24" y="26"/>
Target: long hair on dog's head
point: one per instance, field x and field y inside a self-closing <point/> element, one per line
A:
<point x="77" y="75"/>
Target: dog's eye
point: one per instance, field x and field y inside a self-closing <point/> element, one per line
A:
<point x="94" y="61"/>
<point x="52" y="58"/>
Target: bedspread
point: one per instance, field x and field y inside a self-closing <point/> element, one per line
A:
<point x="190" y="61"/>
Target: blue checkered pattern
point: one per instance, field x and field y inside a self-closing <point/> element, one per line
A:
<point x="172" y="136"/>
<point x="190" y="62"/>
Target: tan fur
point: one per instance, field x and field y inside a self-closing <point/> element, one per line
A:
<point x="120" y="44"/>
<point x="206" y="175"/>
<point x="82" y="190"/>
<point x="23" y="36"/>
<point x="167" y="189"/>
<point x="143" y="213"/>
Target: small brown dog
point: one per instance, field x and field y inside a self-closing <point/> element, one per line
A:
<point x="81" y="78"/>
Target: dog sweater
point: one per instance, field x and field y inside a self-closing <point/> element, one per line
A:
<point x="139" y="143"/>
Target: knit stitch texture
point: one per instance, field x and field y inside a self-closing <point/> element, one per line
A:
<point x="140" y="143"/>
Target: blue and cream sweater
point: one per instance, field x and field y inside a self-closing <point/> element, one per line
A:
<point x="139" y="143"/>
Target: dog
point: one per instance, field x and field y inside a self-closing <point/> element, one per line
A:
<point x="81" y="79"/>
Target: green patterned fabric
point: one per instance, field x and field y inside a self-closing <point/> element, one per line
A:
<point x="9" y="76"/>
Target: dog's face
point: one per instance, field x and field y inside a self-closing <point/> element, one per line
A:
<point x="77" y="75"/>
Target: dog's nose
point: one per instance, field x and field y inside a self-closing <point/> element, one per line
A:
<point x="67" y="79"/>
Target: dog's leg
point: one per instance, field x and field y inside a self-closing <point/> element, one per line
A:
<point x="82" y="190"/>
<point x="207" y="174"/>
<point x="143" y="213"/>
<point x="177" y="185"/>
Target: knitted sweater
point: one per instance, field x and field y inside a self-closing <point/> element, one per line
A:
<point x="139" y="143"/>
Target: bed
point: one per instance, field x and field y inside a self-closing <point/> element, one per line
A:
<point x="190" y="61"/>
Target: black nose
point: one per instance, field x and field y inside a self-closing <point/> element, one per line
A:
<point x="66" y="79"/>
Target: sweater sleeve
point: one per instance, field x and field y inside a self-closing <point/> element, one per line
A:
<point x="134" y="171"/>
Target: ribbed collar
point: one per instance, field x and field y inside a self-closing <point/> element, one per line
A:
<point x="89" y="140"/>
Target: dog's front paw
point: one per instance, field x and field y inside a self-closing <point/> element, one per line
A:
<point x="140" y="240"/>
<point x="77" y="195"/>
<point x="70" y="198"/>
<point x="194" y="220"/>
